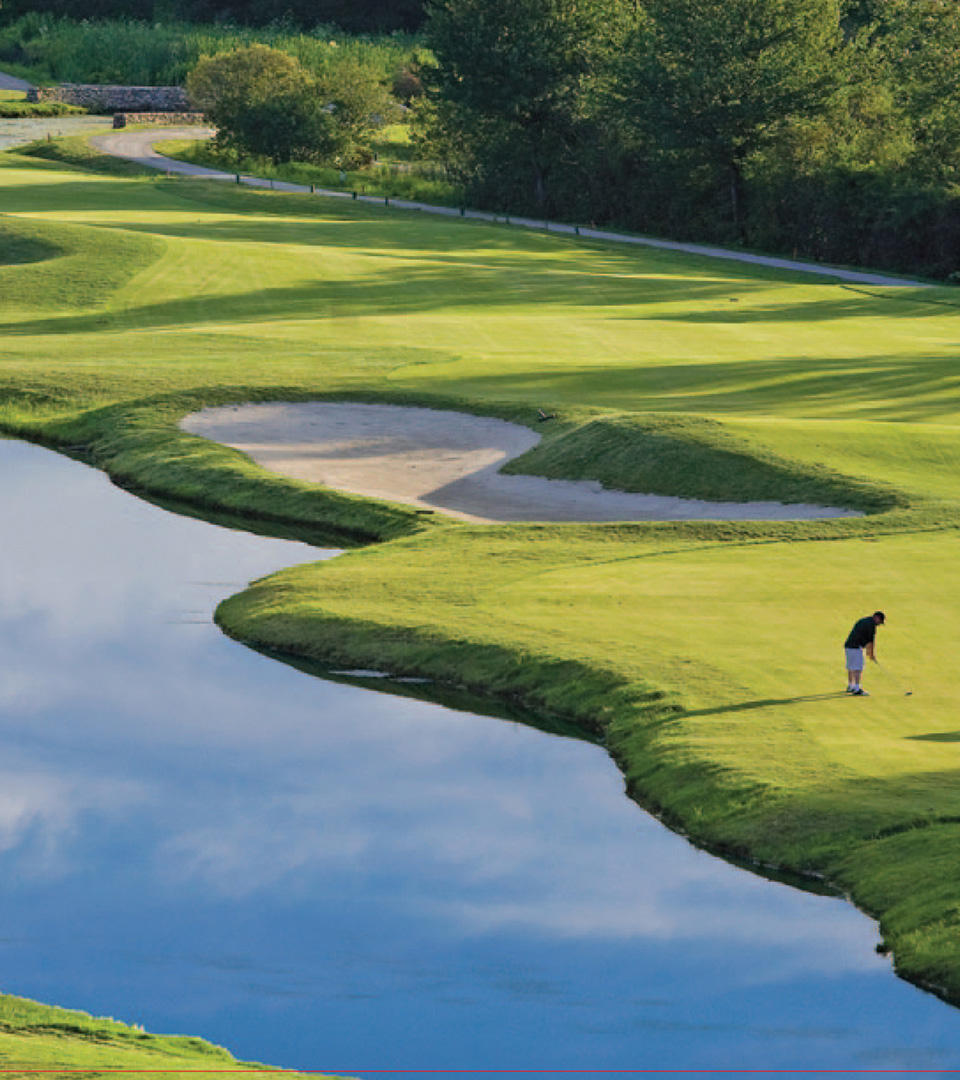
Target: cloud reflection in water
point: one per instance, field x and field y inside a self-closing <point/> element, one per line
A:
<point x="198" y="838"/>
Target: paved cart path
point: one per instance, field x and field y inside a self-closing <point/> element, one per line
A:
<point x="138" y="146"/>
<point x="11" y="82"/>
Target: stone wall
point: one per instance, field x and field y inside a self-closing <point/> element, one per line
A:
<point x="121" y="119"/>
<point x="151" y="99"/>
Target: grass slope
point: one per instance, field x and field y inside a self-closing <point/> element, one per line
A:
<point x="40" y="1038"/>
<point x="707" y="654"/>
<point x="394" y="172"/>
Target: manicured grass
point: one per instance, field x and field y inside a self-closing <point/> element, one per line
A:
<point x="708" y="653"/>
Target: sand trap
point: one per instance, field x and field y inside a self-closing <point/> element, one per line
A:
<point x="445" y="461"/>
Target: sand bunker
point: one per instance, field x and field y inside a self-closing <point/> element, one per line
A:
<point x="445" y="461"/>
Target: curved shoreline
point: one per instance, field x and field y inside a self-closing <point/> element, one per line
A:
<point x="854" y="525"/>
<point x="447" y="462"/>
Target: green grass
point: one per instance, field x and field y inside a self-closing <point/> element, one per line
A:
<point x="707" y="654"/>
<point x="19" y="109"/>
<point x="10" y="110"/>
<point x="393" y="174"/>
<point x="14" y="104"/>
<point x="44" y="48"/>
<point x="38" y="1037"/>
<point x="76" y="151"/>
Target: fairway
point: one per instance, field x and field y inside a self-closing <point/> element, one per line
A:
<point x="708" y="654"/>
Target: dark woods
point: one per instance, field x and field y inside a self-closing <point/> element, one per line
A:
<point x="826" y="129"/>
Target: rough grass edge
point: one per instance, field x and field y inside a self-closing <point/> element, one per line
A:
<point x="603" y="704"/>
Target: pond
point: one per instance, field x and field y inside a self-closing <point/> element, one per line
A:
<point x="18" y="132"/>
<point x="203" y="840"/>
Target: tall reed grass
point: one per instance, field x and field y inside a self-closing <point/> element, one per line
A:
<point x="130" y="52"/>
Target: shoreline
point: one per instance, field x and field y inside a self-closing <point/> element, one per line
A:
<point x="135" y="440"/>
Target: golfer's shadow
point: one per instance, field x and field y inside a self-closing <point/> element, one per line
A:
<point x="765" y="703"/>
<point x="936" y="736"/>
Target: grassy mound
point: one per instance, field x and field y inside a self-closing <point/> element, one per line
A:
<point x="52" y="1039"/>
<point x="57" y="268"/>
<point x="25" y="243"/>
<point x="695" y="458"/>
<point x="76" y="152"/>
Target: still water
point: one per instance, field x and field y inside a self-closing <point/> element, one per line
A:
<point x="203" y="840"/>
<point x="18" y="132"/>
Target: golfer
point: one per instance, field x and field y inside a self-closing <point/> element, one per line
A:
<point x="861" y="638"/>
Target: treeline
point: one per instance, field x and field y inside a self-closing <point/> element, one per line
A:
<point x="351" y="16"/>
<point x="825" y="128"/>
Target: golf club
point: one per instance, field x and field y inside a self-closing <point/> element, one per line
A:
<point x="906" y="692"/>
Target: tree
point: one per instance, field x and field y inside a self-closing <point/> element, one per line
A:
<point x="290" y="128"/>
<point x="352" y="16"/>
<point x="264" y="102"/>
<point x="916" y="50"/>
<point x="359" y="104"/>
<point x="511" y="86"/>
<point x="709" y="82"/>
<point x="232" y="87"/>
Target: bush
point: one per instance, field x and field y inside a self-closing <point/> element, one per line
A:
<point x="263" y="102"/>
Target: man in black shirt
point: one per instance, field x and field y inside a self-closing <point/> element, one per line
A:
<point x="861" y="637"/>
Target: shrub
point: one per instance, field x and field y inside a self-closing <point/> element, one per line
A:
<point x="264" y="102"/>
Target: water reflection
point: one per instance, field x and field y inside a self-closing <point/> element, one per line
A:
<point x="201" y="839"/>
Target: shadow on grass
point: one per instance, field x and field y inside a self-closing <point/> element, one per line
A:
<point x="763" y="703"/>
<point x="908" y="306"/>
<point x="427" y="287"/>
<point x="882" y="387"/>
<point x="937" y="736"/>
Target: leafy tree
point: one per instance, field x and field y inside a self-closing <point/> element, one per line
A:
<point x="264" y="102"/>
<point x="710" y="82"/>
<point x="511" y="88"/>
<point x="353" y="16"/>
<point x="288" y="128"/>
<point x="230" y="84"/>
<point x="916" y="49"/>
<point x="358" y="103"/>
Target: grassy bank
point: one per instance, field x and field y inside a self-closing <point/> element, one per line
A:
<point x="393" y="174"/>
<point x="712" y="666"/>
<point x="14" y="105"/>
<point x="40" y="1038"/>
<point x="708" y="654"/>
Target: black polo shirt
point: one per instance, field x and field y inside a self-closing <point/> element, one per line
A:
<point x="863" y="632"/>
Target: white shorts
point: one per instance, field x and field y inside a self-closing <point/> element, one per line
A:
<point x="854" y="659"/>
